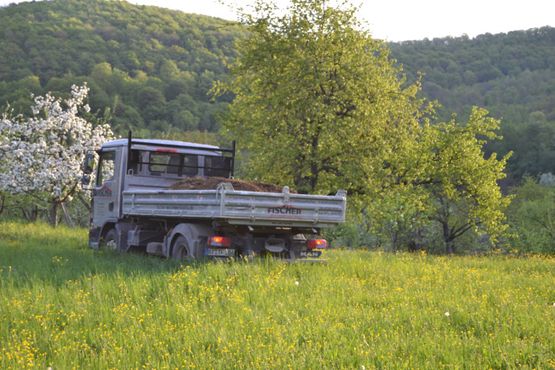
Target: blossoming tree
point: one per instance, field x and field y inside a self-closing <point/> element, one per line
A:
<point x="42" y="154"/>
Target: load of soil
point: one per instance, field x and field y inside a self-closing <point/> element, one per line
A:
<point x="209" y="183"/>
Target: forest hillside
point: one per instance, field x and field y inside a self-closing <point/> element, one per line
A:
<point x="512" y="75"/>
<point x="151" y="69"/>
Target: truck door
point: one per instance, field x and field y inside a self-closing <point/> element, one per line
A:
<point x="106" y="189"/>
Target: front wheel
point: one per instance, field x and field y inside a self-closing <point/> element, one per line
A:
<point x="181" y="249"/>
<point x="109" y="241"/>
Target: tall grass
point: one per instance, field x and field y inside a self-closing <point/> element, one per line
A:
<point x="64" y="306"/>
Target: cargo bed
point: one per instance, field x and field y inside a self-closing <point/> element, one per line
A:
<point x="238" y="207"/>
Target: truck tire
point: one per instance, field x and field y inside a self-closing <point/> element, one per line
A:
<point x="109" y="241"/>
<point x="181" y="249"/>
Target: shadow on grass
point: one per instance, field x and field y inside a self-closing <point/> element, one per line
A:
<point x="57" y="259"/>
<point x="37" y="253"/>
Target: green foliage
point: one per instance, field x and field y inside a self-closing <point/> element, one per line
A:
<point x="151" y="67"/>
<point x="462" y="182"/>
<point x="512" y="75"/>
<point x="504" y="71"/>
<point x="75" y="212"/>
<point x="66" y="306"/>
<point x="442" y="189"/>
<point x="356" y="232"/>
<point x="123" y="51"/>
<point x="533" y="143"/>
<point x="532" y="218"/>
<point x="398" y="216"/>
<point x="318" y="102"/>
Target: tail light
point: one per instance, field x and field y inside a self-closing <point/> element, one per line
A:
<point x="219" y="241"/>
<point x="317" y="244"/>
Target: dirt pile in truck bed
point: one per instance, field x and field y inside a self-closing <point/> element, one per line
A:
<point x="210" y="183"/>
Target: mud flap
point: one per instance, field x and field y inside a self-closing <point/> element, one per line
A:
<point x="94" y="237"/>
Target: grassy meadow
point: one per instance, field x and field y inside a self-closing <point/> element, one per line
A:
<point x="65" y="306"/>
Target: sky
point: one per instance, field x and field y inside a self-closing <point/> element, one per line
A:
<point x="399" y="20"/>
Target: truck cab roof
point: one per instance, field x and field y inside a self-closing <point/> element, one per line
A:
<point x="170" y="146"/>
<point x="154" y="142"/>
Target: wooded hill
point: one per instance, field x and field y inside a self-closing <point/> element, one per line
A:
<point x="151" y="68"/>
<point x="512" y="75"/>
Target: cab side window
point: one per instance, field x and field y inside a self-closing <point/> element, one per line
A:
<point x="217" y="166"/>
<point x="135" y="162"/>
<point x="173" y="164"/>
<point x="163" y="163"/>
<point x="190" y="165"/>
<point x="106" y="167"/>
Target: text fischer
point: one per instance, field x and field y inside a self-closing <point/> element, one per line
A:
<point x="285" y="210"/>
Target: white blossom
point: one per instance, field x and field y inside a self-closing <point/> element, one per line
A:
<point x="44" y="153"/>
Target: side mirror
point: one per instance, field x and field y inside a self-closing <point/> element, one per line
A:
<point x="88" y="164"/>
<point x="86" y="180"/>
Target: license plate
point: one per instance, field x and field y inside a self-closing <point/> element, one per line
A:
<point x="219" y="252"/>
<point x="311" y="254"/>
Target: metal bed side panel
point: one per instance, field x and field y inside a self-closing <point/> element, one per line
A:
<point x="238" y="207"/>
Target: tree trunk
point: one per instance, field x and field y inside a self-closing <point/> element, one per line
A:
<point x="394" y="238"/>
<point x="449" y="248"/>
<point x="67" y="217"/>
<point x="53" y="214"/>
<point x="447" y="238"/>
<point x="415" y="244"/>
<point x="31" y="214"/>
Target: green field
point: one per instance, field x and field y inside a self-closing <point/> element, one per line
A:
<point x="64" y="306"/>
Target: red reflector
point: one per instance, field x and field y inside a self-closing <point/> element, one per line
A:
<point x="317" y="244"/>
<point x="219" y="241"/>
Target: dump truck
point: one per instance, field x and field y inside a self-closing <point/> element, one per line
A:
<point x="135" y="207"/>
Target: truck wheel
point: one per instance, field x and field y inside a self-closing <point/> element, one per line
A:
<point x="109" y="241"/>
<point x="181" y="249"/>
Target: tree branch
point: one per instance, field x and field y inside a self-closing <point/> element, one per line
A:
<point x="70" y="192"/>
<point x="84" y="201"/>
<point x="461" y="230"/>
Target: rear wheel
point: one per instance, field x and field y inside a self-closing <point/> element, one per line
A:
<point x="181" y="249"/>
<point x="109" y="241"/>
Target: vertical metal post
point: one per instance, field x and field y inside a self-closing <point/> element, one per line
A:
<point x="129" y="136"/>
<point x="233" y="144"/>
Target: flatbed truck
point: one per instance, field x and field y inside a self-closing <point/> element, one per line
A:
<point x="135" y="207"/>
